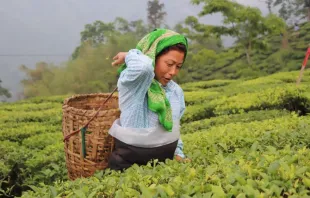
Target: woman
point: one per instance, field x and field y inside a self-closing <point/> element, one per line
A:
<point x="151" y="103"/>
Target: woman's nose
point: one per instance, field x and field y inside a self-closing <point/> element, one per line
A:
<point x="173" y="71"/>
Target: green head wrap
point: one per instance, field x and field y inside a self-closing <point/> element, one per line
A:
<point x="151" y="45"/>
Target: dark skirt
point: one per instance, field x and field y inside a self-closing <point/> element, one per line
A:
<point x="125" y="155"/>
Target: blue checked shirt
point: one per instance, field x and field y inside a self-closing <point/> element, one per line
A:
<point x="133" y="84"/>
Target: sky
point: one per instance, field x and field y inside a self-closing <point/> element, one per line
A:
<point x="35" y="30"/>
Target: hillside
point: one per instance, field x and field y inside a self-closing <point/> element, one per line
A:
<point x="231" y="63"/>
<point x="245" y="138"/>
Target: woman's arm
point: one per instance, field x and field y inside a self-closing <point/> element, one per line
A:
<point x="136" y="79"/>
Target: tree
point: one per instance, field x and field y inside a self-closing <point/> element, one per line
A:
<point x="89" y="72"/>
<point x="291" y="10"/>
<point x="4" y="92"/>
<point x="139" y="28"/>
<point x="38" y="80"/>
<point x="197" y="40"/>
<point x="244" y="23"/>
<point x="307" y="5"/>
<point x="269" y="4"/>
<point x="309" y="13"/>
<point x="155" y="13"/>
<point x="122" y="25"/>
<point x="136" y="28"/>
<point x="97" y="32"/>
<point x="203" y="49"/>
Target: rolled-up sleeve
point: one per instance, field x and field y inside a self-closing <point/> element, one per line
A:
<point x="135" y="80"/>
<point x="139" y="70"/>
<point x="179" y="149"/>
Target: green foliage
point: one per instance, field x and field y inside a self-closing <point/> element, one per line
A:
<point x="254" y="159"/>
<point x="97" y="32"/>
<point x="199" y="97"/>
<point x="288" y="98"/>
<point x="31" y="143"/>
<point x="199" y="125"/>
<point x="46" y="165"/>
<point x="214" y="98"/>
<point x="246" y="136"/>
<point x="11" y="153"/>
<point x="23" y="130"/>
<point x="205" y="84"/>
<point x="243" y="137"/>
<point x="281" y="98"/>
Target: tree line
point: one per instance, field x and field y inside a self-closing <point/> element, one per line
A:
<point x="89" y="69"/>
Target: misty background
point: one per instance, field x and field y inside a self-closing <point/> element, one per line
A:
<point x="49" y="31"/>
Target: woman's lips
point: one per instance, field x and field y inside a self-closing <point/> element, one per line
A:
<point x="167" y="79"/>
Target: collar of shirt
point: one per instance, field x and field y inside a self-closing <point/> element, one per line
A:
<point x="168" y="87"/>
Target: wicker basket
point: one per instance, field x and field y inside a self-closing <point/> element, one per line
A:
<point x="78" y="110"/>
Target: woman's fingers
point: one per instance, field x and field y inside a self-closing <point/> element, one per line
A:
<point x="115" y="57"/>
<point x="119" y="58"/>
<point x="116" y="60"/>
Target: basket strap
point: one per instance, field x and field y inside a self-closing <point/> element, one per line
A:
<point x="96" y="114"/>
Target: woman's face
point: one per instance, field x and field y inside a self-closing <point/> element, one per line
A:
<point x="168" y="65"/>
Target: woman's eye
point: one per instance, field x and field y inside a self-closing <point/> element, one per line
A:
<point x="169" y="65"/>
<point x="179" y="66"/>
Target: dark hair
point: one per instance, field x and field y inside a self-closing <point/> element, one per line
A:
<point x="178" y="47"/>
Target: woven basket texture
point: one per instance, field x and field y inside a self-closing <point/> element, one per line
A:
<point x="77" y="111"/>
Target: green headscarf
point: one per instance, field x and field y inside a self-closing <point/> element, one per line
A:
<point x="151" y="45"/>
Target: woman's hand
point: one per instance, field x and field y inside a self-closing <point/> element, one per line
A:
<point x="180" y="159"/>
<point x="119" y="58"/>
